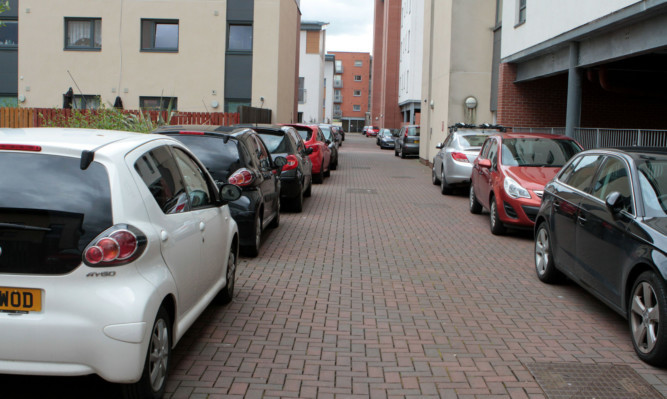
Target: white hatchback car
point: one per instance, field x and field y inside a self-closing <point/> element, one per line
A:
<point x="111" y="245"/>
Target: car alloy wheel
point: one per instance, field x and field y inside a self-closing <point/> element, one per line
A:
<point x="445" y="188"/>
<point x="434" y="177"/>
<point x="474" y="205"/>
<point x="647" y="306"/>
<point x="497" y="227"/>
<point x="253" y="249"/>
<point x="544" y="263"/>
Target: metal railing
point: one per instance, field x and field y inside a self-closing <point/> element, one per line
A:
<point x="599" y="137"/>
<point x="338" y="99"/>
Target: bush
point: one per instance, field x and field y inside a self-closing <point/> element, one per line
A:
<point x="102" y="118"/>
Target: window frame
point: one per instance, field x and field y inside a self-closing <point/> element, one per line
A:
<point x="154" y="22"/>
<point x="91" y="21"/>
<point x="520" y="12"/>
<point x="354" y="93"/>
<point x="85" y="98"/>
<point x="231" y="24"/>
<point x="358" y="63"/>
<point x="10" y="20"/>
<point x="163" y="106"/>
<point x="357" y="76"/>
<point x="356" y="108"/>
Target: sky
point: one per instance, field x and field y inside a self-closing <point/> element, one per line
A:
<point x="350" y="23"/>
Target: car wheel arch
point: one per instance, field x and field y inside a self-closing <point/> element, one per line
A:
<point x="640" y="267"/>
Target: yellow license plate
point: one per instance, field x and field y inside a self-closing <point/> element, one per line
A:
<point x="20" y="299"/>
<point x="416" y="141"/>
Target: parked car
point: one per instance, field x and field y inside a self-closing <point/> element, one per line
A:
<point x="333" y="141"/>
<point x="103" y="253"/>
<point x="239" y="156"/>
<point x="452" y="165"/>
<point x="341" y="131"/>
<point x="510" y="173"/>
<point x="321" y="155"/>
<point x="407" y="142"/>
<point x="296" y="176"/>
<point x="603" y="224"/>
<point x="386" y="138"/>
<point x="371" y="131"/>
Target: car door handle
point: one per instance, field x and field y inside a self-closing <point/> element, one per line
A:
<point x="582" y="220"/>
<point x="164" y="236"/>
<point x="202" y="226"/>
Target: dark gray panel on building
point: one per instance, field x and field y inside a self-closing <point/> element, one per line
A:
<point x="495" y="68"/>
<point x="13" y="11"/>
<point x="546" y="65"/>
<point x="9" y="64"/>
<point x="240" y="10"/>
<point x="238" y="76"/>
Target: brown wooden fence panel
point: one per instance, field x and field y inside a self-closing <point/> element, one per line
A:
<point x="16" y="117"/>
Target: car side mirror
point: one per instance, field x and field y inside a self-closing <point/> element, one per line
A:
<point x="279" y="162"/>
<point x="229" y="192"/>
<point x="614" y="202"/>
<point x="484" y="163"/>
<point x="439" y="146"/>
<point x="309" y="150"/>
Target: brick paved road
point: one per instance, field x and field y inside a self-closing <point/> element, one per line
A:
<point x="384" y="288"/>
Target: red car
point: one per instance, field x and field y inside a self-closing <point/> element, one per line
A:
<point x="321" y="155"/>
<point x="372" y="131"/>
<point x="509" y="175"/>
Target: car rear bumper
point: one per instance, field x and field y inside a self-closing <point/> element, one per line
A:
<point x="290" y="187"/>
<point x="458" y="172"/>
<point x="411" y="148"/>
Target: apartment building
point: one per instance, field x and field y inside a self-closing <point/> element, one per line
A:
<point x="329" y="61"/>
<point x="311" y="71"/>
<point x="351" y="88"/>
<point x="385" y="111"/>
<point x="457" y="67"/>
<point x="410" y="62"/>
<point x="583" y="64"/>
<point x="189" y="55"/>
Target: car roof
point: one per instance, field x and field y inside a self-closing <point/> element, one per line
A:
<point x="231" y="131"/>
<point x="635" y="152"/>
<point x="71" y="141"/>
<point x="531" y="136"/>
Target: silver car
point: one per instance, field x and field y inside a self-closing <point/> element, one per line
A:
<point x="452" y="165"/>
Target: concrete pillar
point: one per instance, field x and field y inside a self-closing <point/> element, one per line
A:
<point x="573" y="116"/>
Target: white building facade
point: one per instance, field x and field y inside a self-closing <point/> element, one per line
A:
<point x="411" y="59"/>
<point x="311" y="72"/>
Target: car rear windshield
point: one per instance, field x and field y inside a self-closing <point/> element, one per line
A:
<point x="537" y="151"/>
<point x="275" y="144"/>
<point x="50" y="210"/>
<point x="220" y="158"/>
<point x="653" y="185"/>
<point x="472" y="140"/>
<point x="305" y="134"/>
<point x="413" y="131"/>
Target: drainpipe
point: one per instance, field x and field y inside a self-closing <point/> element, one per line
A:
<point x="573" y="116"/>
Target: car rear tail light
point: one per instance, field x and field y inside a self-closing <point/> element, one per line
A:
<point x="460" y="157"/>
<point x="292" y="163"/>
<point x="191" y="133"/>
<point x="242" y="178"/>
<point x="20" y="147"/>
<point x="118" y="245"/>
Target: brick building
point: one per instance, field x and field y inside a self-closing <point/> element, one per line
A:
<point x="385" y="111"/>
<point x="351" y="88"/>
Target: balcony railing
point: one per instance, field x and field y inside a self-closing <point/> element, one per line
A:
<point x="338" y="84"/>
<point x="338" y="99"/>
<point x="338" y="69"/>
<point x="597" y="138"/>
<point x="302" y="96"/>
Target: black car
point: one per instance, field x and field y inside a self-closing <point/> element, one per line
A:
<point x="296" y="180"/>
<point x="238" y="156"/>
<point x="332" y="141"/>
<point x="603" y="224"/>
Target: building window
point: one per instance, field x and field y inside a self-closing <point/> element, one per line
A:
<point x="357" y="93"/>
<point x="338" y="81"/>
<point x="158" y="103"/>
<point x="338" y="66"/>
<point x="356" y="108"/>
<point x="239" y="38"/>
<point x="85" y="101"/>
<point x="302" y="90"/>
<point x="8" y="101"/>
<point x="233" y="104"/>
<point x="83" y="33"/>
<point x="521" y="18"/>
<point x="159" y="35"/>
<point x="357" y="78"/>
<point x="358" y="63"/>
<point x="9" y="33"/>
<point x="338" y="96"/>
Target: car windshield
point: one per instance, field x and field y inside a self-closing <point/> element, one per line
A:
<point x="275" y="144"/>
<point x="305" y="134"/>
<point x="537" y="152"/>
<point x="385" y="132"/>
<point x="413" y="131"/>
<point x="472" y="140"/>
<point x="220" y="158"/>
<point x="653" y="185"/>
<point x="50" y="210"/>
<point x="327" y="133"/>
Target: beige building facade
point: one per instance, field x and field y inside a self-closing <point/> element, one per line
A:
<point x="458" y="55"/>
<point x="203" y="55"/>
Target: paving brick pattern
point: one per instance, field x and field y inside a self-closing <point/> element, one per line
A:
<point x="384" y="288"/>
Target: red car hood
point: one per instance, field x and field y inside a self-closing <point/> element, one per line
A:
<point x="532" y="177"/>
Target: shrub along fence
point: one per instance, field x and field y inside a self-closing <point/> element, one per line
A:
<point x="36" y="117"/>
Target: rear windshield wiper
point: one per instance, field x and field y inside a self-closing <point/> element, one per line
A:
<point x="15" y="226"/>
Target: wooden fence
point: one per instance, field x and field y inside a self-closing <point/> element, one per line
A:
<point x="36" y="117"/>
